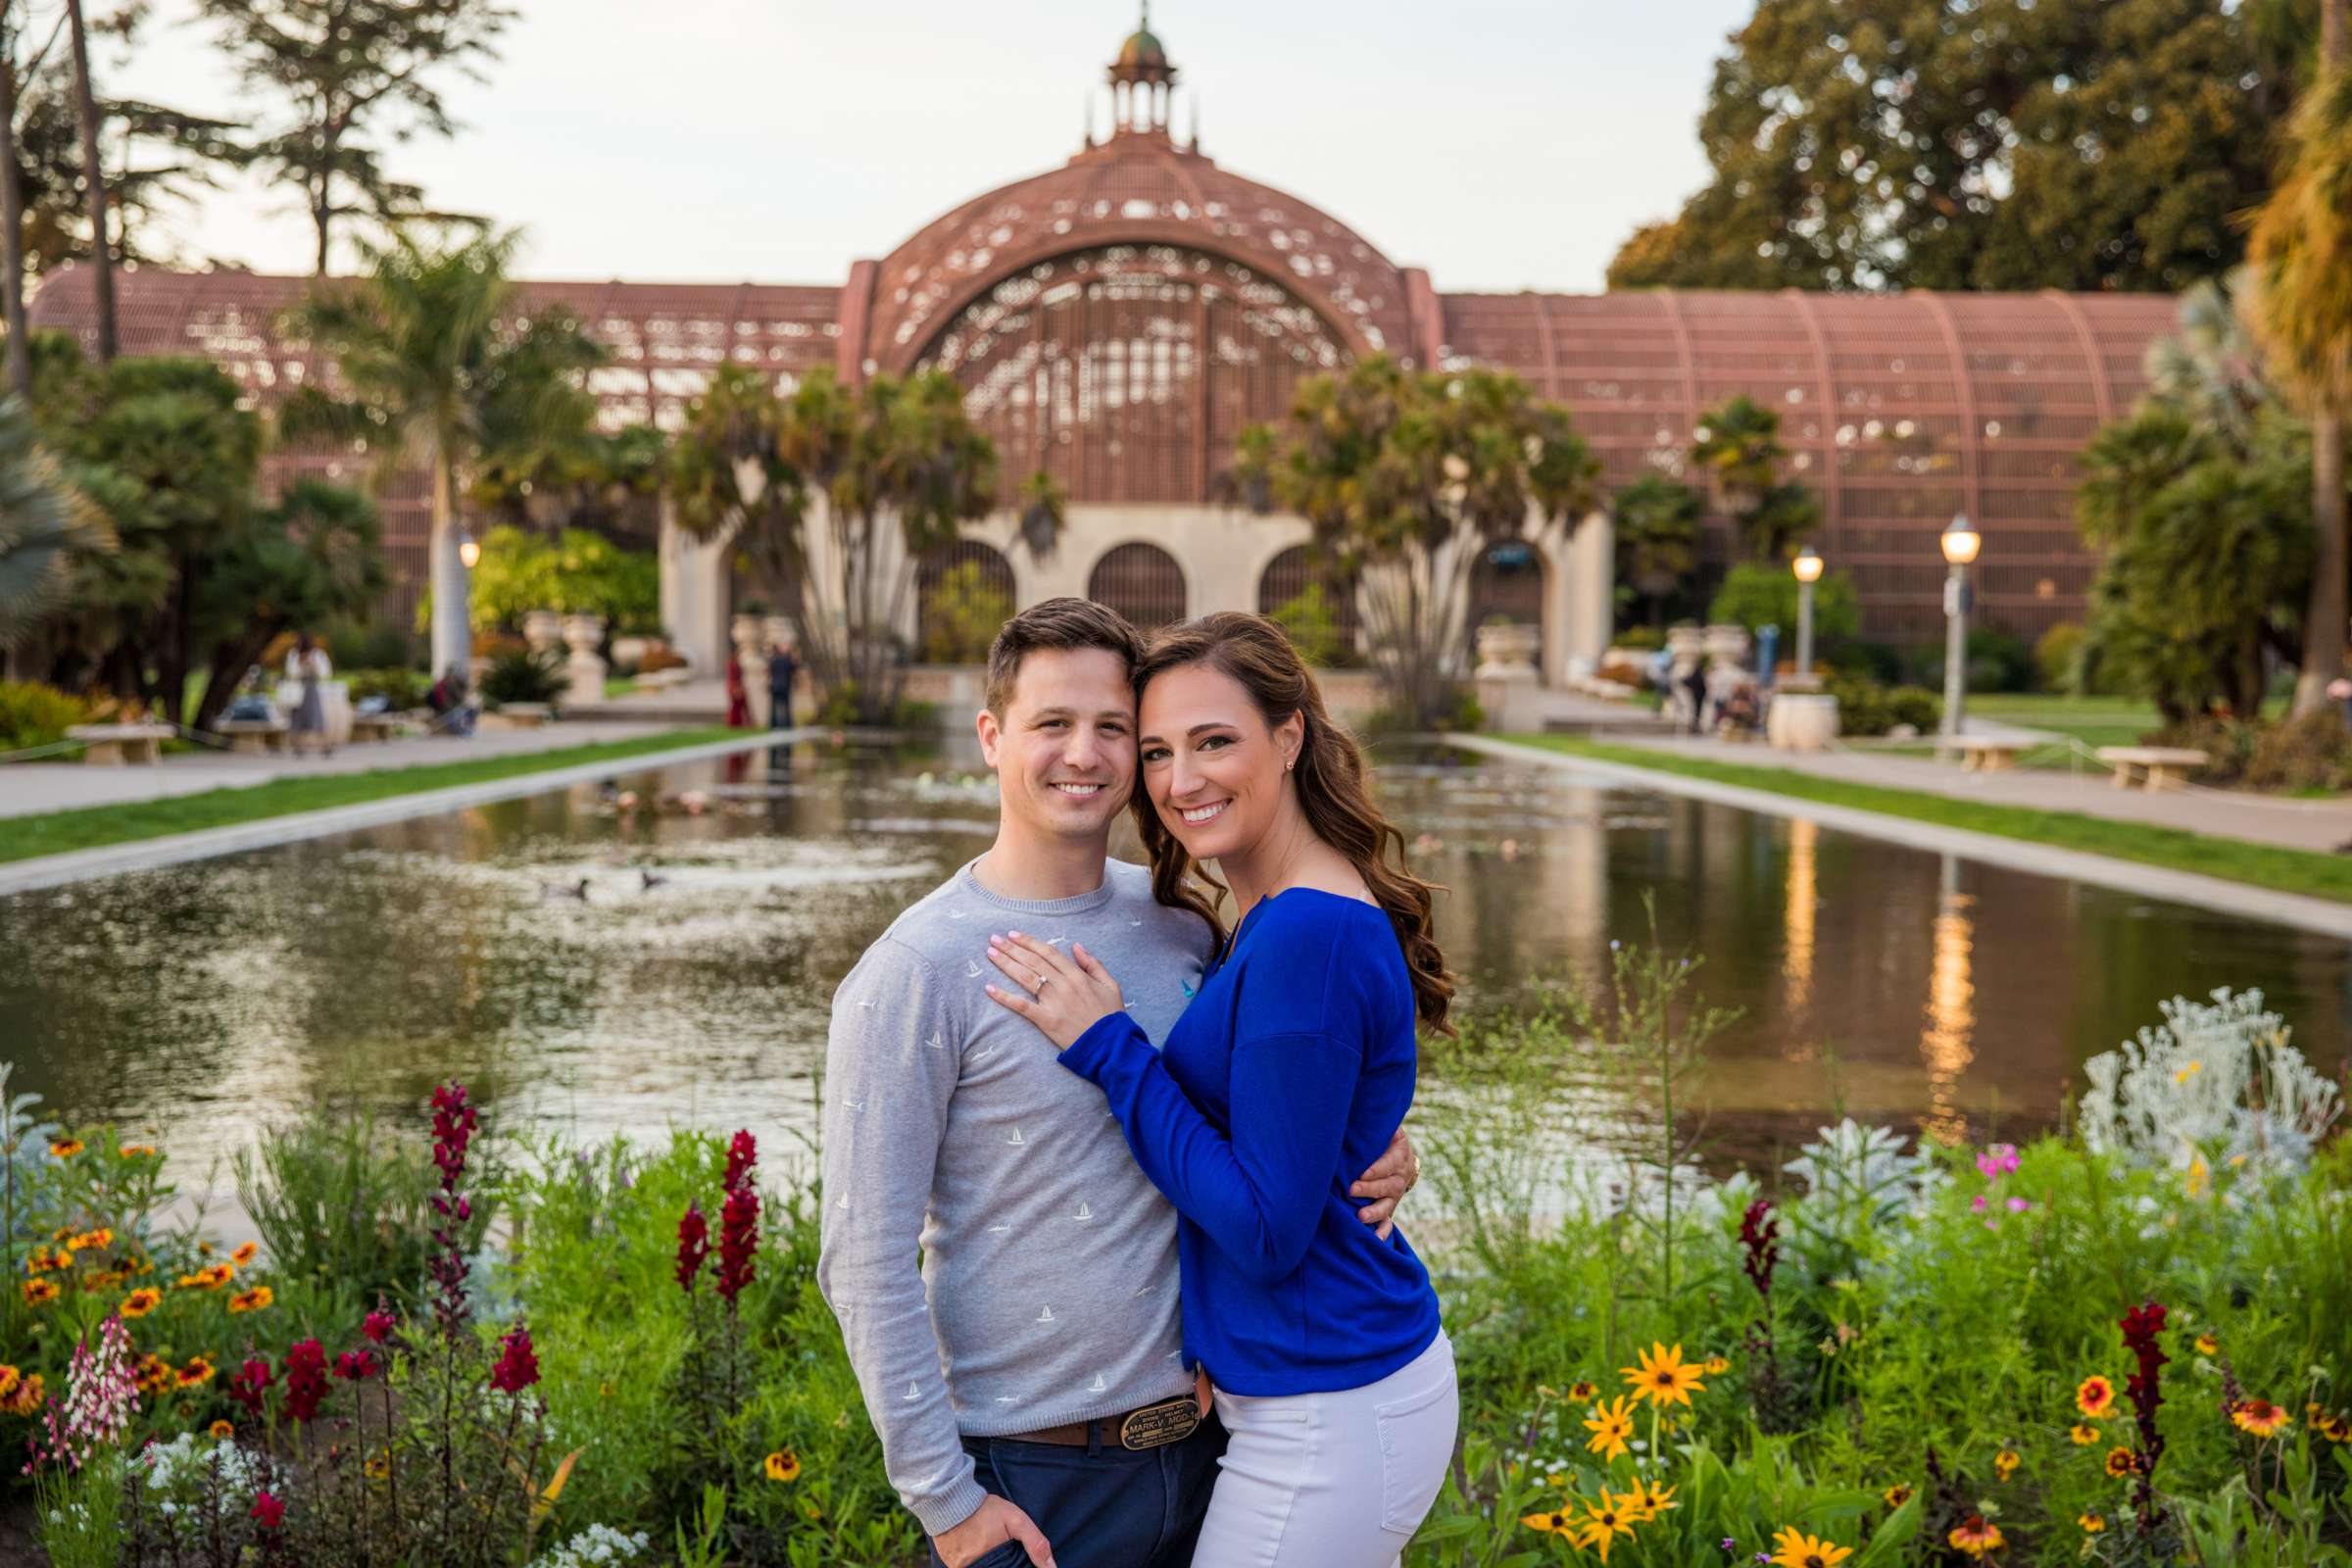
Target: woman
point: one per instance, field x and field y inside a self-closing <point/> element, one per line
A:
<point x="1290" y="1069"/>
<point x="739" y="696"/>
<point x="308" y="664"/>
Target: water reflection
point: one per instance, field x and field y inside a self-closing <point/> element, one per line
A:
<point x="663" y="948"/>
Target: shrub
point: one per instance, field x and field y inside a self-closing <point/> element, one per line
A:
<point x="1867" y="709"/>
<point x="1755" y="595"/>
<point x="2058" y="657"/>
<point x="373" y="645"/>
<point x="524" y="676"/>
<point x="33" y="714"/>
<point x="399" y="686"/>
<point x="1307" y="620"/>
<point x="2310" y="752"/>
<point x="1649" y="639"/>
<point x="961" y="614"/>
<point x="1998" y="660"/>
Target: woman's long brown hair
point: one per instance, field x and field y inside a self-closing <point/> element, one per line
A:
<point x="1329" y="776"/>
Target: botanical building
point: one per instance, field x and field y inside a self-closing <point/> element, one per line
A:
<point x="1118" y="319"/>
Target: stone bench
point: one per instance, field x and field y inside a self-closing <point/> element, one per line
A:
<point x="114" y="745"/>
<point x="1989" y="753"/>
<point x="376" y="726"/>
<point x="253" y="736"/>
<point x="517" y="716"/>
<point x="659" y="680"/>
<point x="2153" y="767"/>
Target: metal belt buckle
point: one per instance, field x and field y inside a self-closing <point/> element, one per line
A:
<point x="1156" y="1425"/>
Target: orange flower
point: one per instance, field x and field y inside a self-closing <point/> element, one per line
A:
<point x="2121" y="1463"/>
<point x="101" y="1237"/>
<point x="2207" y="1344"/>
<point x="2005" y="1463"/>
<point x="252" y="1301"/>
<point x="30" y="1397"/>
<point x="2335" y="1428"/>
<point x="2092" y="1524"/>
<point x="1898" y="1494"/>
<point x="66" y="1148"/>
<point x="245" y="1254"/>
<point x="2260" y="1417"/>
<point x="783" y="1465"/>
<point x="137" y="1150"/>
<point x="1582" y="1391"/>
<point x="196" y="1374"/>
<point x="209" y="1278"/>
<point x="2095" y="1397"/>
<point x="222" y="1429"/>
<point x="46" y="1258"/>
<point x="140" y="1303"/>
<point x="1977" y="1536"/>
<point x="155" y="1373"/>
<point x="9" y="1376"/>
<point x="40" y="1293"/>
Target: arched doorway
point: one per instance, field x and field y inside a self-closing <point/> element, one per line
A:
<point x="1289" y="575"/>
<point x="963" y="593"/>
<point x="1141" y="582"/>
<point x="1507" y="583"/>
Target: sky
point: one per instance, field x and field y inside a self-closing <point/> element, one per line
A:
<point x="1501" y="145"/>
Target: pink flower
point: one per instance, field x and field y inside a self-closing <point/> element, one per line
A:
<point x="305" y="1380"/>
<point x="268" y="1510"/>
<point x="1980" y="1203"/>
<point x="2017" y="1206"/>
<point x="517" y="1366"/>
<point x="1998" y="1161"/>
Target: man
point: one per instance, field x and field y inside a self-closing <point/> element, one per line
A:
<point x="782" y="671"/>
<point x="1035" y="1353"/>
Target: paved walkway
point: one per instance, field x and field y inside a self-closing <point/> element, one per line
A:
<point x="2321" y="825"/>
<point x="29" y="787"/>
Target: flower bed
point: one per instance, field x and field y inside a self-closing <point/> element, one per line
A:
<point x="2127" y="1343"/>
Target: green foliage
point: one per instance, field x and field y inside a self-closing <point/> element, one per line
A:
<point x="1417" y="474"/>
<point x="78" y="1513"/>
<point x="45" y="524"/>
<point x="961" y="614"/>
<point x="1306" y="618"/>
<point x="1866" y="708"/>
<point x="1998" y="660"/>
<point x="401" y="687"/>
<point x="2028" y="146"/>
<point x="346" y="1205"/>
<point x="524" y="676"/>
<point x="1738" y="445"/>
<point x="577" y="573"/>
<point x="367" y="644"/>
<point x="2058" y="657"/>
<point x="333" y="111"/>
<point x="1658" y="538"/>
<point x="1755" y="594"/>
<point x="33" y="714"/>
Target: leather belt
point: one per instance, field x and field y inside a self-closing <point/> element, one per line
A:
<point x="1150" y="1426"/>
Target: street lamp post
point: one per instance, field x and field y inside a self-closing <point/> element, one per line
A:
<point x="1961" y="542"/>
<point x="1807" y="566"/>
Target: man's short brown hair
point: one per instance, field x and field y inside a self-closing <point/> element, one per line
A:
<point x="1061" y="624"/>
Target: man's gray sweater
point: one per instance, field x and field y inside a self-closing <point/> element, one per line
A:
<point x="1045" y="1291"/>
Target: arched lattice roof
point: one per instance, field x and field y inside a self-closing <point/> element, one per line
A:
<point x="1898" y="410"/>
<point x="1135" y="189"/>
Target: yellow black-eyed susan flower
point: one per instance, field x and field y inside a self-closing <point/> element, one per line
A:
<point x="2083" y="1434"/>
<point x="1610" y="1425"/>
<point x="1663" y="1377"/>
<point x="783" y="1465"/>
<point x="2005" y="1463"/>
<point x="1800" y="1550"/>
<point x="2090" y="1523"/>
<point x="1897" y="1495"/>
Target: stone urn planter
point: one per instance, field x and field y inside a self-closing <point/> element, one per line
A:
<point x="1801" y="721"/>
<point x="584" y="668"/>
<point x="1727" y="645"/>
<point x="1507" y="651"/>
<point x="543" y="629"/>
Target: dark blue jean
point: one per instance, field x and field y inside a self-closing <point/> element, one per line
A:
<point x="1103" y="1506"/>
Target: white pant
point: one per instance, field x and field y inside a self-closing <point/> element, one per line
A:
<point x="1336" y="1479"/>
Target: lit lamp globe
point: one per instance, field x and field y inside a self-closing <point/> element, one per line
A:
<point x="1807" y="566"/>
<point x="469" y="551"/>
<point x="1961" y="541"/>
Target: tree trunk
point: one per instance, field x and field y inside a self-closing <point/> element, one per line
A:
<point x="11" y="224"/>
<point x="2324" y="628"/>
<point x="93" y="171"/>
<point x="453" y="630"/>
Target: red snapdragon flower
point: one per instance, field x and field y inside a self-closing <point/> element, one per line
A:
<point x="694" y="1245"/>
<point x="268" y="1510"/>
<point x="306" y="1379"/>
<point x="1759" y="1238"/>
<point x="2141" y="1325"/>
<point x="743" y="1153"/>
<point x="738" y="1240"/>
<point x="377" y="1325"/>
<point x="248" y="1386"/>
<point x="356" y="1366"/>
<point x="517" y="1366"/>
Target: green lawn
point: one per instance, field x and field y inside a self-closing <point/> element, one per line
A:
<point x="88" y="828"/>
<point x="2322" y="876"/>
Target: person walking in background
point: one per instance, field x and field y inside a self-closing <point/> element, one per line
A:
<point x="739" y="701"/>
<point x="782" y="671"/>
<point x="308" y="663"/>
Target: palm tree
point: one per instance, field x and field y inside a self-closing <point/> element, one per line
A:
<point x="417" y="342"/>
<point x="2301" y="256"/>
<point x="45" y="521"/>
<point x="12" y="216"/>
<point x="1739" y="447"/>
<point x="1657" y="537"/>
